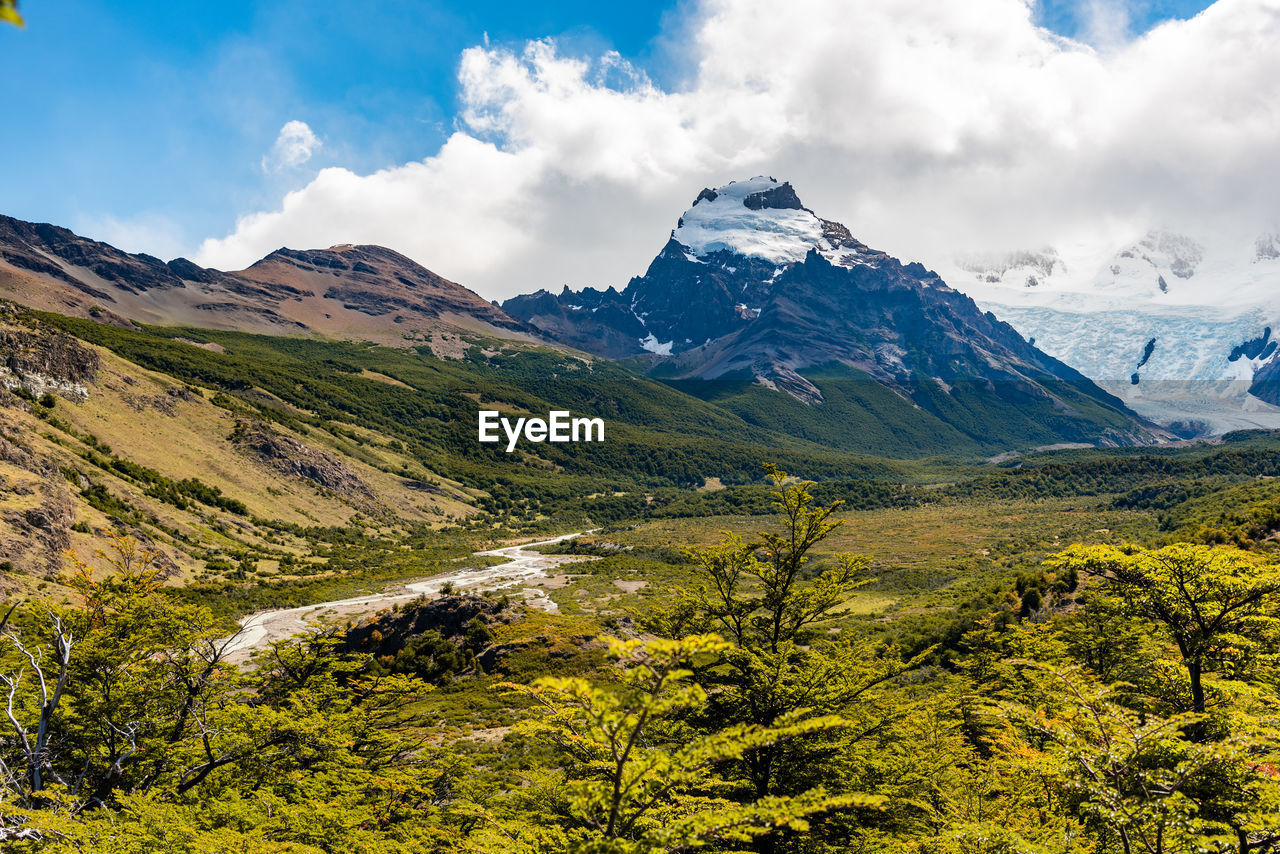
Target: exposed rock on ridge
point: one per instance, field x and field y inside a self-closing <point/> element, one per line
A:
<point x="753" y="286"/>
<point x="362" y="290"/>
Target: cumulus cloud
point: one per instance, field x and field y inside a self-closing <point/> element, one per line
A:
<point x="927" y="128"/>
<point x="1107" y="23"/>
<point x="293" y="147"/>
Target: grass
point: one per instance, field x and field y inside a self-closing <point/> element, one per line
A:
<point x="932" y="565"/>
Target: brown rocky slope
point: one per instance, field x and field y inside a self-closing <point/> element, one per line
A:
<point x="352" y="291"/>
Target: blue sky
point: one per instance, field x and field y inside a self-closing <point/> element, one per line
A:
<point x="1072" y="18"/>
<point x="147" y="122"/>
<point x="162" y="111"/>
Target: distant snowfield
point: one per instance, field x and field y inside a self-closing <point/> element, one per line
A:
<point x="1189" y="325"/>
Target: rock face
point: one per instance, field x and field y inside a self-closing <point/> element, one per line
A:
<point x="45" y="361"/>
<point x="294" y="459"/>
<point x="42" y="531"/>
<point x="366" y="290"/>
<point x="754" y="286"/>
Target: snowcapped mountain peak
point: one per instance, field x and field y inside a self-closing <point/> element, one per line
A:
<point x="758" y="193"/>
<point x="757" y="218"/>
<point x="763" y="218"/>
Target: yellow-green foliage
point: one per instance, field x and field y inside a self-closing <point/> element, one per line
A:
<point x="1219" y="605"/>
<point x="637" y="780"/>
<point x="746" y="710"/>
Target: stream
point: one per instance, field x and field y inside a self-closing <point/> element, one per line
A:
<point x="522" y="569"/>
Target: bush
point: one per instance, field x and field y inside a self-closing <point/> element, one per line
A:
<point x="429" y="657"/>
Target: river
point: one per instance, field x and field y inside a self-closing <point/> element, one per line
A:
<point x="523" y="567"/>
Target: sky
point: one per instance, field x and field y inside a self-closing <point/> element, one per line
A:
<point x="513" y="146"/>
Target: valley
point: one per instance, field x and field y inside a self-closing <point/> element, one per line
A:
<point x="860" y="570"/>
<point x="682" y="427"/>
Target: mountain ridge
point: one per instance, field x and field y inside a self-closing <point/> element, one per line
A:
<point x="346" y="289"/>
<point x="753" y="286"/>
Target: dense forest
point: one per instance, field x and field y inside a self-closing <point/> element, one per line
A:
<point x="1119" y="698"/>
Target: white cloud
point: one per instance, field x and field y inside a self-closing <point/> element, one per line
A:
<point x="1107" y="23"/>
<point x="293" y="147"/>
<point x="926" y="127"/>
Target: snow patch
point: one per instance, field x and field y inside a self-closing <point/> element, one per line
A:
<point x="652" y="345"/>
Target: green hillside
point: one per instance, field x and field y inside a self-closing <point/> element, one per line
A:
<point x="860" y="415"/>
<point x="656" y="434"/>
<point x="935" y="653"/>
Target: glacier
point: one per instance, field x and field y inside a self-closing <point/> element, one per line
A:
<point x="1098" y="310"/>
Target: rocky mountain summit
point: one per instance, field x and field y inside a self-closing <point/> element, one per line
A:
<point x="753" y="286"/>
<point x="713" y="277"/>
<point x="362" y="290"/>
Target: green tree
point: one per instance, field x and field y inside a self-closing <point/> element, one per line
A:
<point x="1136" y="779"/>
<point x="759" y="595"/>
<point x="639" y="779"/>
<point x="1218" y="605"/>
<point x="769" y="597"/>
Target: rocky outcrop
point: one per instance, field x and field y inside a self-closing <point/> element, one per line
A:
<point x="299" y="461"/>
<point x="449" y="616"/>
<point x="781" y="197"/>
<point x="42" y="361"/>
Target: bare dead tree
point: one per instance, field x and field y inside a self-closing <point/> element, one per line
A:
<point x="34" y="745"/>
